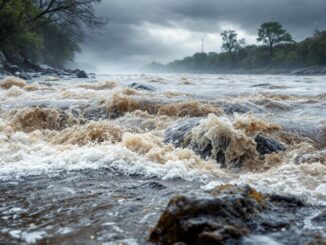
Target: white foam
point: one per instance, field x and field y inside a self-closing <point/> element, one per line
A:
<point x="305" y="181"/>
<point x="43" y="159"/>
<point x="22" y="155"/>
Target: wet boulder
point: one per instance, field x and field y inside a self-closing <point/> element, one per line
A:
<point x="47" y="70"/>
<point x="96" y="113"/>
<point x="24" y="76"/>
<point x="3" y="59"/>
<point x="181" y="135"/>
<point x="231" y="214"/>
<point x="141" y="86"/>
<point x="181" y="132"/>
<point x="82" y="74"/>
<point x="14" y="58"/>
<point x="320" y="219"/>
<point x="266" y="145"/>
<point x="224" y="215"/>
<point x="13" y="69"/>
<point x="228" y="147"/>
<point x="231" y="108"/>
<point x="31" y="65"/>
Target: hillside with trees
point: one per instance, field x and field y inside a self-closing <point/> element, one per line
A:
<point x="278" y="53"/>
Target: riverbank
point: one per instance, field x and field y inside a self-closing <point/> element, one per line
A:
<point x="24" y="68"/>
<point x="303" y="71"/>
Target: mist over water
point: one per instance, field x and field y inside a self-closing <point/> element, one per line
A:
<point x="141" y="32"/>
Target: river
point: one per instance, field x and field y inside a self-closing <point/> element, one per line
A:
<point x="85" y="161"/>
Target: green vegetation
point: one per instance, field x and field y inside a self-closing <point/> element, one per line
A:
<point x="231" y="43"/>
<point x="272" y="33"/>
<point x="45" y="31"/>
<point x="279" y="52"/>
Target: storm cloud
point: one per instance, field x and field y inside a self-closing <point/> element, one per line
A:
<point x="141" y="31"/>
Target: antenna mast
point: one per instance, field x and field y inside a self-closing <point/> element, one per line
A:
<point x="202" y="45"/>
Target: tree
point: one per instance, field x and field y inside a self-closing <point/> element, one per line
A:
<point x="46" y="30"/>
<point x="272" y="33"/>
<point x="231" y="44"/>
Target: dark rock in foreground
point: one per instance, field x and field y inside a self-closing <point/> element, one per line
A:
<point x="232" y="215"/>
<point x="141" y="86"/>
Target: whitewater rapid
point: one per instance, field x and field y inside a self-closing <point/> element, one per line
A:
<point x="43" y="129"/>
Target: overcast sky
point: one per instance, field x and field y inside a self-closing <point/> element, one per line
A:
<point x="141" y="31"/>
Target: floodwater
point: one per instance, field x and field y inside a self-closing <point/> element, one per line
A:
<point x="85" y="161"/>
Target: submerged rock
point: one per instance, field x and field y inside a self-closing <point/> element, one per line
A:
<point x="13" y="69"/>
<point x="141" y="86"/>
<point x="231" y="108"/>
<point x="179" y="133"/>
<point x="219" y="141"/>
<point x="261" y="85"/>
<point x="229" y="214"/>
<point x="267" y="145"/>
<point x="96" y="113"/>
<point x="320" y="219"/>
<point x="82" y="74"/>
<point x="212" y="138"/>
<point x="24" y="76"/>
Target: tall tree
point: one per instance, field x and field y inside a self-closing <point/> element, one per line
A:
<point x="231" y="43"/>
<point x="272" y="33"/>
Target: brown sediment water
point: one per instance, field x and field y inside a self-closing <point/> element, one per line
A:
<point x="253" y="125"/>
<point x="9" y="82"/>
<point x="100" y="86"/>
<point x="35" y="118"/>
<point x="93" y="132"/>
<point x="191" y="109"/>
<point x="220" y="133"/>
<point x="87" y="161"/>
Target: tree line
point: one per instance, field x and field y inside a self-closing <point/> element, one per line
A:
<point x="45" y="31"/>
<point x="278" y="51"/>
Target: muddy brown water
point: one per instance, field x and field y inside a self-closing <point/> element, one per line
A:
<point x="85" y="162"/>
<point x="84" y="207"/>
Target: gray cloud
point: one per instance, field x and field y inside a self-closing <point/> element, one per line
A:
<point x="141" y="31"/>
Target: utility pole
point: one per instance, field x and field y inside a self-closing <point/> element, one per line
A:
<point x="202" y="45"/>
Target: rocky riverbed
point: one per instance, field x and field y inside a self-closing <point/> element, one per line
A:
<point x="141" y="159"/>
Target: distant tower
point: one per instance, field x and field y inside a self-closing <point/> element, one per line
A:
<point x="202" y="45"/>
